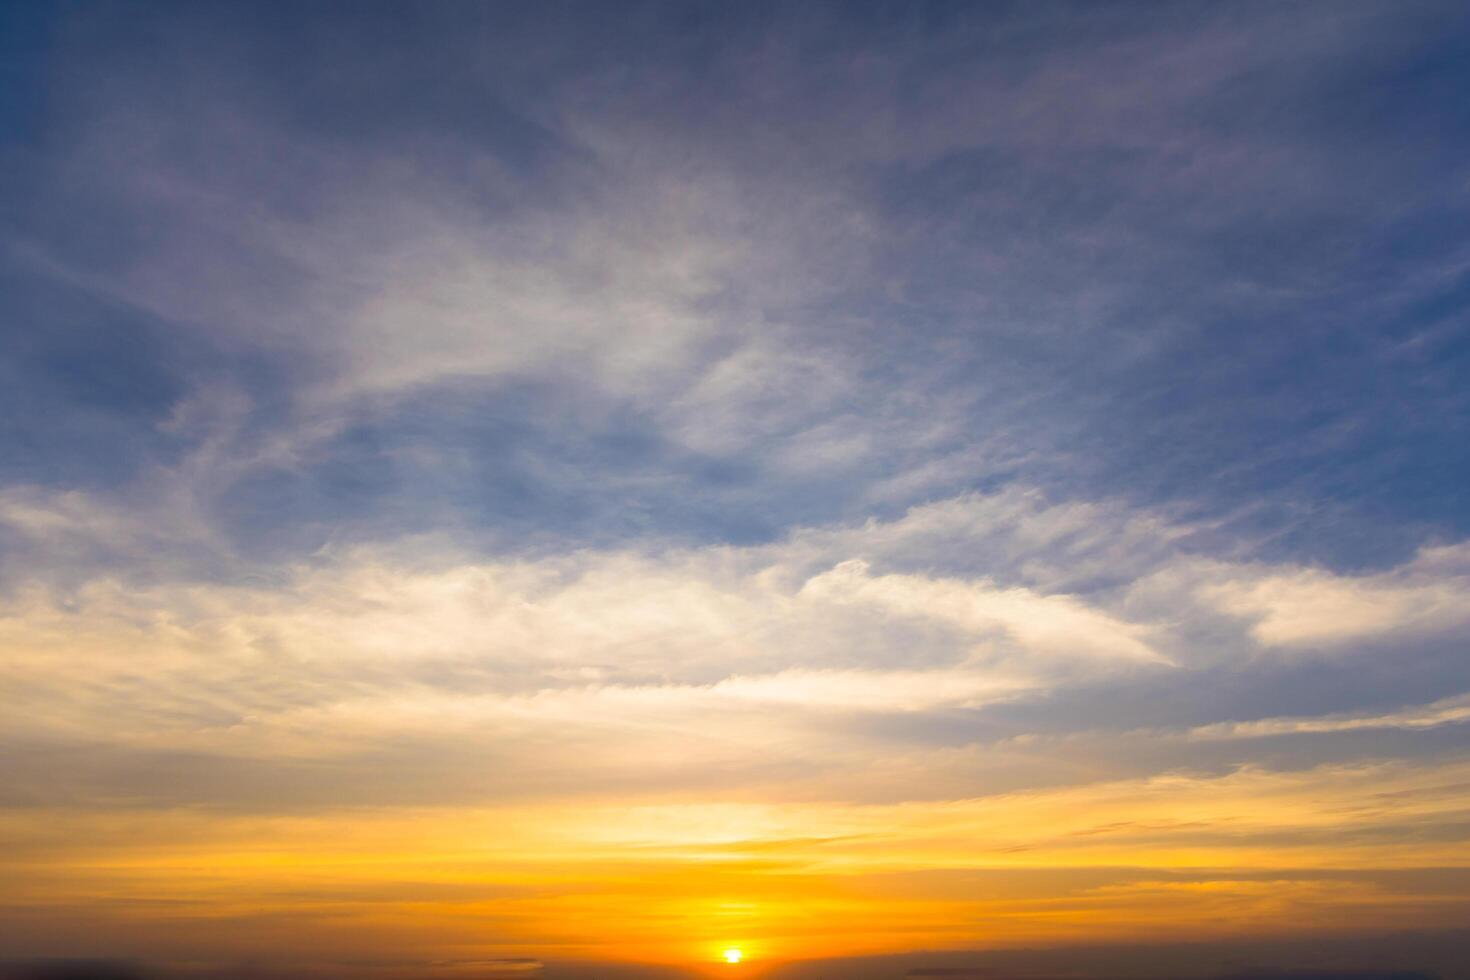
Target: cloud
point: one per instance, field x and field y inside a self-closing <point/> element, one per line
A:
<point x="370" y="644"/>
<point x="1056" y="625"/>
<point x="1311" y="608"/>
<point x="1447" y="711"/>
<point x="780" y="662"/>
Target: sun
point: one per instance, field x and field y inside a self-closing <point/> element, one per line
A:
<point x="733" y="955"/>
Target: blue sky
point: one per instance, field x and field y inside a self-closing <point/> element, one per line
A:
<point x="1208" y="259"/>
<point x="1019" y="396"/>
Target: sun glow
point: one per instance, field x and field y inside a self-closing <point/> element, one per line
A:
<point x="732" y="955"/>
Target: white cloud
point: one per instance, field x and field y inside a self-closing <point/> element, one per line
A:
<point x="715" y="649"/>
<point x="793" y="654"/>
<point x="1314" y="608"/>
<point x="1054" y="625"/>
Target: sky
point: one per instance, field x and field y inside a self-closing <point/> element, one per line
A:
<point x="894" y="489"/>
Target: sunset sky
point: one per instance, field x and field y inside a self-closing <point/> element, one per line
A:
<point x="491" y="489"/>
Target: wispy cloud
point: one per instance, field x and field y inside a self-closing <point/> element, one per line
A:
<point x="1447" y="711"/>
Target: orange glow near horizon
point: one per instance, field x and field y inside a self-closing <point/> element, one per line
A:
<point x="675" y="882"/>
